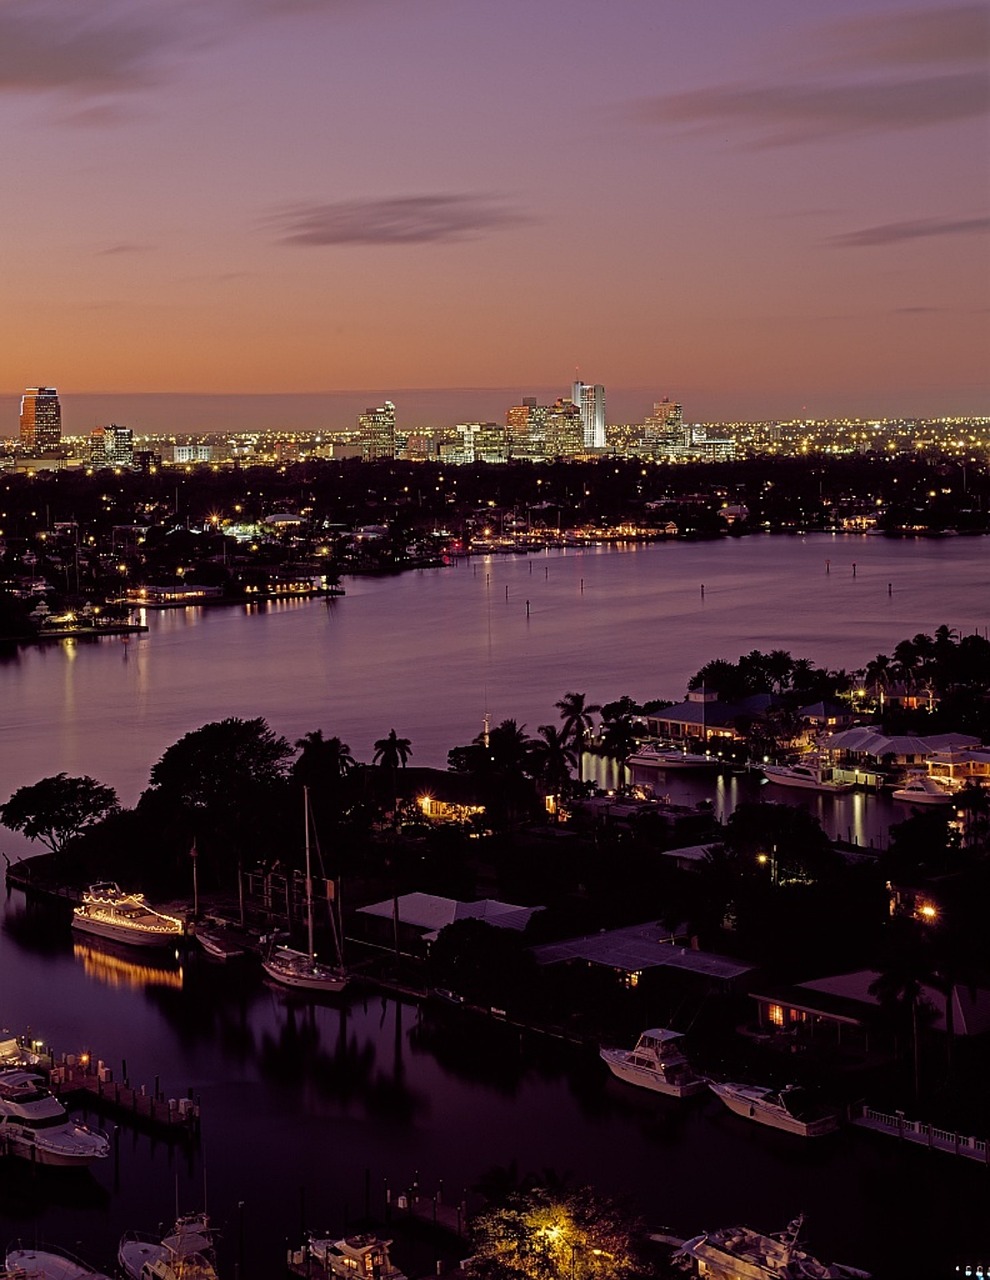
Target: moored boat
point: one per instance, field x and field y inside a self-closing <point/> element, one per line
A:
<point x="48" y="1264"/>
<point x="922" y="789"/>
<point x="363" y="1257"/>
<point x="35" y="1126"/>
<point x="671" y="758"/>
<point x="810" y="776"/>
<point x="789" y="1109"/>
<point x="657" y="1062"/>
<point x="739" y="1253"/>
<point x="186" y="1253"/>
<point x="125" y="917"/>
<point x="219" y="943"/>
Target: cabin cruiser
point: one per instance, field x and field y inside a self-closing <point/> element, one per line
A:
<point x="186" y="1253"/>
<point x="48" y="1264"/>
<point x="657" y="1062"/>
<point x="922" y="789"/>
<point x="125" y="917"/>
<point x="35" y="1126"/>
<point x="670" y="758"/>
<point x="789" y="1108"/>
<point x="739" y="1253"/>
<point x="809" y="774"/>
<point x="364" y="1257"/>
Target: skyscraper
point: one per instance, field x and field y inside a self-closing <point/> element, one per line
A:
<point x="564" y="431"/>
<point x="377" y="427"/>
<point x="591" y="401"/>
<point x="111" y="446"/>
<point x="41" y="420"/>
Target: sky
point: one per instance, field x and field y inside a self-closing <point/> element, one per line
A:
<point x="272" y="212"/>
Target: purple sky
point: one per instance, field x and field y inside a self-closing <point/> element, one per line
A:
<point x="758" y="207"/>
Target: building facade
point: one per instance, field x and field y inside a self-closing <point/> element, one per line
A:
<point x="111" y="446"/>
<point x="377" y="428"/>
<point x="591" y="401"/>
<point x="41" y="420"/>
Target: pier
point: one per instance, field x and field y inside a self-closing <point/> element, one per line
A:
<point x="922" y="1135"/>
<point x="76" y="1077"/>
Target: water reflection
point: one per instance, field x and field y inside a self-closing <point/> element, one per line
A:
<point x="119" y="967"/>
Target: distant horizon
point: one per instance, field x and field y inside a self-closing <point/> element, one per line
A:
<point x="191" y="413"/>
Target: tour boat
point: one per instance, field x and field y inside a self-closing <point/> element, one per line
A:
<point x="35" y="1126"/>
<point x="660" y="758"/>
<point x="788" y="1108"/>
<point x="739" y="1253"/>
<point x="363" y="1257"/>
<point x="186" y="1253"/>
<point x="656" y="1063"/>
<point x="922" y="789"/>
<point x="301" y="969"/>
<point x="810" y="776"/>
<point x="48" y="1264"/>
<point x="125" y="917"/>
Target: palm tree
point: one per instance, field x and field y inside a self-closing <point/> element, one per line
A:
<point x="619" y="740"/>
<point x="553" y="759"/>
<point x="392" y="753"/>
<point x="322" y="758"/>
<point x="576" y="715"/>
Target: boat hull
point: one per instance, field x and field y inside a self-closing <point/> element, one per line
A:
<point x="76" y="1152"/>
<point x="671" y="760"/>
<point x="130" y="937"/>
<point x="785" y="778"/>
<point x="306" y="976"/>
<point x="645" y="1078"/>
<point x="922" y="797"/>
<point x="774" y="1116"/>
<point x="40" y="1264"/>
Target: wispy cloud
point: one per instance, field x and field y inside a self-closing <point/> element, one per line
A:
<point x="846" y="82"/>
<point x="125" y="247"/>
<point x="398" y="220"/>
<point x="897" y="232"/>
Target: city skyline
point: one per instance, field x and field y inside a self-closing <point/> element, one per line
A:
<point x="760" y="211"/>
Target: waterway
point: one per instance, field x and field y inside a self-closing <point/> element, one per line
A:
<point x="323" y="1105"/>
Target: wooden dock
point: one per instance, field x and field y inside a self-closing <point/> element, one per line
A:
<point x="78" y="1078"/>
<point x="896" y="1125"/>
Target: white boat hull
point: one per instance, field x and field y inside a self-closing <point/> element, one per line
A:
<point x="617" y="1062"/>
<point x="40" y="1264"/>
<point x="744" y="1103"/>
<point x="305" y="975"/>
<point x="73" y="1148"/>
<point x="671" y="760"/>
<point x="785" y="778"/>
<point x="121" y="933"/>
<point x="922" y="797"/>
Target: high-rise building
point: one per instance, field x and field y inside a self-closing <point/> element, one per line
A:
<point x="111" y="446"/>
<point x="564" y="436"/>
<point x="591" y="401"/>
<point x="665" y="426"/>
<point x="41" y="420"/>
<point x="377" y="427"/>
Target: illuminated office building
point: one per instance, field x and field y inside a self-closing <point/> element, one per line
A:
<point x="41" y="420"/>
<point x="377" y="428"/>
<point x="591" y="401"/>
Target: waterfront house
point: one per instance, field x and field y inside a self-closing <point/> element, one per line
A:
<point x="419" y="917"/>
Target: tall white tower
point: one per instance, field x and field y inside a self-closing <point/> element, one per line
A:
<point x="591" y="401"/>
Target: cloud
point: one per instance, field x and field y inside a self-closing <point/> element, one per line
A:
<point x="917" y="37"/>
<point x="897" y="232"/>
<point x="125" y="247"/>
<point x="785" y="114"/>
<point x="398" y="220"/>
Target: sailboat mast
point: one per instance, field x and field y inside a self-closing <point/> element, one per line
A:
<point x="309" y="878"/>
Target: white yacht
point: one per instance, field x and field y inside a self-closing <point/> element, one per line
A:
<point x="35" y="1126"/>
<point x="125" y="917"/>
<point x="656" y="1063"/>
<point x="186" y="1253"/>
<point x="921" y="789"/>
<point x="671" y="758"/>
<point x="48" y="1264"/>
<point x="811" y="775"/>
<point x="14" y="1054"/>
<point x="789" y="1108"/>
<point x="364" y="1257"/>
<point x="739" y="1253"/>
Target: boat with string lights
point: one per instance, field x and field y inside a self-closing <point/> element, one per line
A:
<point x="108" y="912"/>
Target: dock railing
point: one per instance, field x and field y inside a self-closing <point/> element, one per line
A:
<point x="920" y="1134"/>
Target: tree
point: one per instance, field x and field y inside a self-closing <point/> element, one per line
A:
<point x="576" y="714"/>
<point x="552" y="759"/>
<point x="57" y="808"/>
<point x="392" y="752"/>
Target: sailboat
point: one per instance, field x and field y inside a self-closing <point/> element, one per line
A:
<point x="301" y="969"/>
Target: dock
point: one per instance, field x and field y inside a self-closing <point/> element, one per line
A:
<point x="77" y="1078"/>
<point x="919" y="1134"/>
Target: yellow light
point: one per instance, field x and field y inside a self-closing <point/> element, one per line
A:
<point x="762" y="859"/>
<point x="928" y="911"/>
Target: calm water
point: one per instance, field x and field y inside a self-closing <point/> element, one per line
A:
<point x="302" y="1100"/>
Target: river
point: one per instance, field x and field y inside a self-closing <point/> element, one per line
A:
<point x="302" y="1099"/>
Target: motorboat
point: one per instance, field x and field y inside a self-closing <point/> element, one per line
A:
<point x="48" y="1264"/>
<point x="657" y="1062"/>
<point x="14" y="1054"/>
<point x="301" y="969"/>
<point x="671" y="758"/>
<point x="218" y="943"/>
<point x="186" y="1253"/>
<point x="922" y="789"/>
<point x="739" y="1253"/>
<point x="35" y="1126"/>
<point x="125" y="917"/>
<point x="789" y="1108"/>
<point x="363" y="1257"/>
<point x="812" y="776"/>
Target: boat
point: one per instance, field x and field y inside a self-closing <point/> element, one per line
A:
<point x="186" y="1253"/>
<point x="363" y="1257"/>
<point x="739" y="1253"/>
<point x="218" y="943"/>
<point x="48" y="1264"/>
<point x="811" y="775"/>
<point x="657" y="1062"/>
<point x="14" y="1054"/>
<point x="35" y="1126"/>
<point x="671" y="758"/>
<point x="301" y="969"/>
<point x="125" y="917"/>
<point x="789" y="1108"/>
<point x="922" y="789"/>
